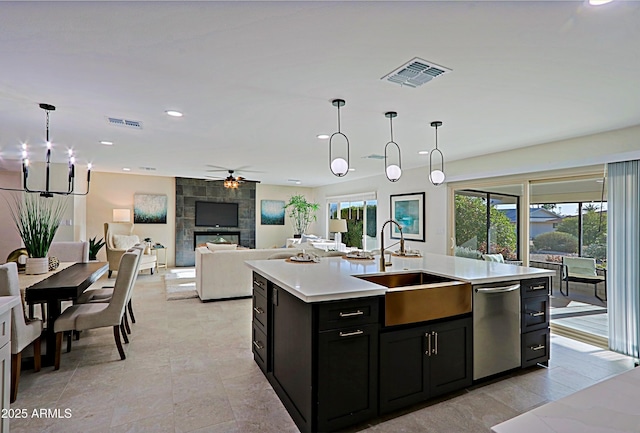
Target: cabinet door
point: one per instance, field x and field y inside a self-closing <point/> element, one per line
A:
<point x="403" y="368"/>
<point x="290" y="341"/>
<point x="451" y="361"/>
<point x="347" y="376"/>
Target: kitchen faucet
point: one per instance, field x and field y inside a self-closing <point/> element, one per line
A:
<point x="381" y="268"/>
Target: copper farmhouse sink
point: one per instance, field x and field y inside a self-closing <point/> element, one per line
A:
<point x="418" y="297"/>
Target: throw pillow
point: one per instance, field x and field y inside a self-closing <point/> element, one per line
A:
<point x="308" y="238"/>
<point x="220" y="247"/>
<point x="493" y="258"/>
<point x="124" y="242"/>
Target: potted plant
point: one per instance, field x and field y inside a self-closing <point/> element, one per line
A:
<point x="37" y="219"/>
<point x="94" y="247"/>
<point x="301" y="212"/>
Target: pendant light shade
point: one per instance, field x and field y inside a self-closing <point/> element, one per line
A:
<point x="393" y="171"/>
<point x="339" y="165"/>
<point x="436" y="175"/>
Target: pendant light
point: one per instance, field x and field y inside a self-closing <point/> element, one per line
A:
<point x="436" y="176"/>
<point x="71" y="171"/>
<point x="339" y="166"/>
<point x="392" y="171"/>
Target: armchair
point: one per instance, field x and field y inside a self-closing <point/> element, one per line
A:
<point x="116" y="243"/>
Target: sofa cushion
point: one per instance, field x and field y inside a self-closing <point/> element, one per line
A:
<point x="124" y="242"/>
<point x="220" y="247"/>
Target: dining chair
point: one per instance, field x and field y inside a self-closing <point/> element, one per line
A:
<point x="106" y="292"/>
<point x="22" y="333"/>
<point x="80" y="317"/>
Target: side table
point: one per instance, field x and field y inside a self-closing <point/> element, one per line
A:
<point x="160" y="263"/>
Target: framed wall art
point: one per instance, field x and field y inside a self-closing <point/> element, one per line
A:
<point x="272" y="212"/>
<point x="149" y="209"/>
<point x="408" y="211"/>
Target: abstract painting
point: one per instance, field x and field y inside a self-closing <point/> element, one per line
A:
<point x="408" y="211"/>
<point x="272" y="212"/>
<point x="149" y="209"/>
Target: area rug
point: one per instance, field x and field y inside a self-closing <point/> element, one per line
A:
<point x="180" y="284"/>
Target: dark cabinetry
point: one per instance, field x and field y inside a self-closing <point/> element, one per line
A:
<point x="535" y="342"/>
<point x="321" y="359"/>
<point x="423" y="362"/>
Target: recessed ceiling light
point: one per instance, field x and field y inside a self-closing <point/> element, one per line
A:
<point x="599" y="2"/>
<point x="298" y="182"/>
<point x="126" y="169"/>
<point x="423" y="152"/>
<point x="174" y="113"/>
<point x="107" y="143"/>
<point x="352" y="169"/>
<point x="323" y="136"/>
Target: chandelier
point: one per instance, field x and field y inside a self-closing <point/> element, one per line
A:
<point x="47" y="192"/>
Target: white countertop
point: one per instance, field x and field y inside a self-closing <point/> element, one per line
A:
<point x="610" y="406"/>
<point x="8" y="302"/>
<point x="333" y="278"/>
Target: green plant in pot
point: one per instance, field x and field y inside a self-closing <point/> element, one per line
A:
<point x="94" y="247"/>
<point x="301" y="212"/>
<point x="37" y="219"/>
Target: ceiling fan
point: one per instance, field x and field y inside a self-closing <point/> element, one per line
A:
<point x="231" y="181"/>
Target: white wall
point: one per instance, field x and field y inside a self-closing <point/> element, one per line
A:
<point x="270" y="236"/>
<point x="115" y="191"/>
<point x="9" y="238"/>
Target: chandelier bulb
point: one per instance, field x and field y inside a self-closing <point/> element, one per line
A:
<point x="339" y="166"/>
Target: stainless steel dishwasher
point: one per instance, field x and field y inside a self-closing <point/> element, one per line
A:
<point x="496" y="328"/>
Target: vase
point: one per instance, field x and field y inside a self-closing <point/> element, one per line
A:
<point x="37" y="265"/>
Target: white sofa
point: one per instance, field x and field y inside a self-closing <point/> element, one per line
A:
<point x="223" y="274"/>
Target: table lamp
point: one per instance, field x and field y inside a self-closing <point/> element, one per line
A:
<point x="338" y="226"/>
<point x="121" y="216"/>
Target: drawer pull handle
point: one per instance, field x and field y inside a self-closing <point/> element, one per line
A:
<point x="351" y="334"/>
<point x="538" y="347"/>
<point x="428" y="352"/>
<point x="258" y="310"/>
<point x="541" y="287"/>
<point x="354" y="313"/>
<point x="258" y="345"/>
<point x="258" y="283"/>
<point x="536" y="314"/>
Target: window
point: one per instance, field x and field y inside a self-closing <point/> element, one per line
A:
<point x="486" y="223"/>
<point x="360" y="212"/>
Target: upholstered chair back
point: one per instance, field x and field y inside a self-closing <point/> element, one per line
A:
<point x="21" y="335"/>
<point x="111" y="229"/>
<point x="112" y="315"/>
<point x="77" y="252"/>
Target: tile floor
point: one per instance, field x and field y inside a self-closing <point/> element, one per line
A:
<point x="189" y="368"/>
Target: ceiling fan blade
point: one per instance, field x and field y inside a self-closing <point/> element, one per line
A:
<point x="214" y="170"/>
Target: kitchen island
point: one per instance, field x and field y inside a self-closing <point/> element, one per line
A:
<point x="340" y="349"/>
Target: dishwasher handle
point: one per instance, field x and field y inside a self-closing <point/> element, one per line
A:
<point x="503" y="289"/>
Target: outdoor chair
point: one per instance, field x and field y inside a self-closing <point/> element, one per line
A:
<point x="582" y="270"/>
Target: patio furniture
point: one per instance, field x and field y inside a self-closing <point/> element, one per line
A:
<point x="582" y="270"/>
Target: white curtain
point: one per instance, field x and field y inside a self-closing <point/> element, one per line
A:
<point x="623" y="257"/>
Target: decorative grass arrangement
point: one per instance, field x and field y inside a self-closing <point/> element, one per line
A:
<point x="301" y="212"/>
<point x="37" y="220"/>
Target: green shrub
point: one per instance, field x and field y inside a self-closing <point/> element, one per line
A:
<point x="556" y="241"/>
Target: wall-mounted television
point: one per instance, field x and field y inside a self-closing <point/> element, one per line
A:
<point x="211" y="214"/>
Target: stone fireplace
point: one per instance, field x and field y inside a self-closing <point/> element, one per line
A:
<point x="188" y="192"/>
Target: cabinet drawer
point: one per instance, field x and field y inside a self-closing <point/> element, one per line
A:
<point x="534" y="287"/>
<point x="260" y="311"/>
<point x="341" y="314"/>
<point x="260" y="284"/>
<point x="535" y="347"/>
<point x="535" y="313"/>
<point x="259" y="344"/>
<point x="5" y="328"/>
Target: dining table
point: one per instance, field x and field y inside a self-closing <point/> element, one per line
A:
<point x="64" y="285"/>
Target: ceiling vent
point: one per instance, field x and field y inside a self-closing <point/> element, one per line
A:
<point x="124" y="122"/>
<point x="415" y="73"/>
<point x="374" y="156"/>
